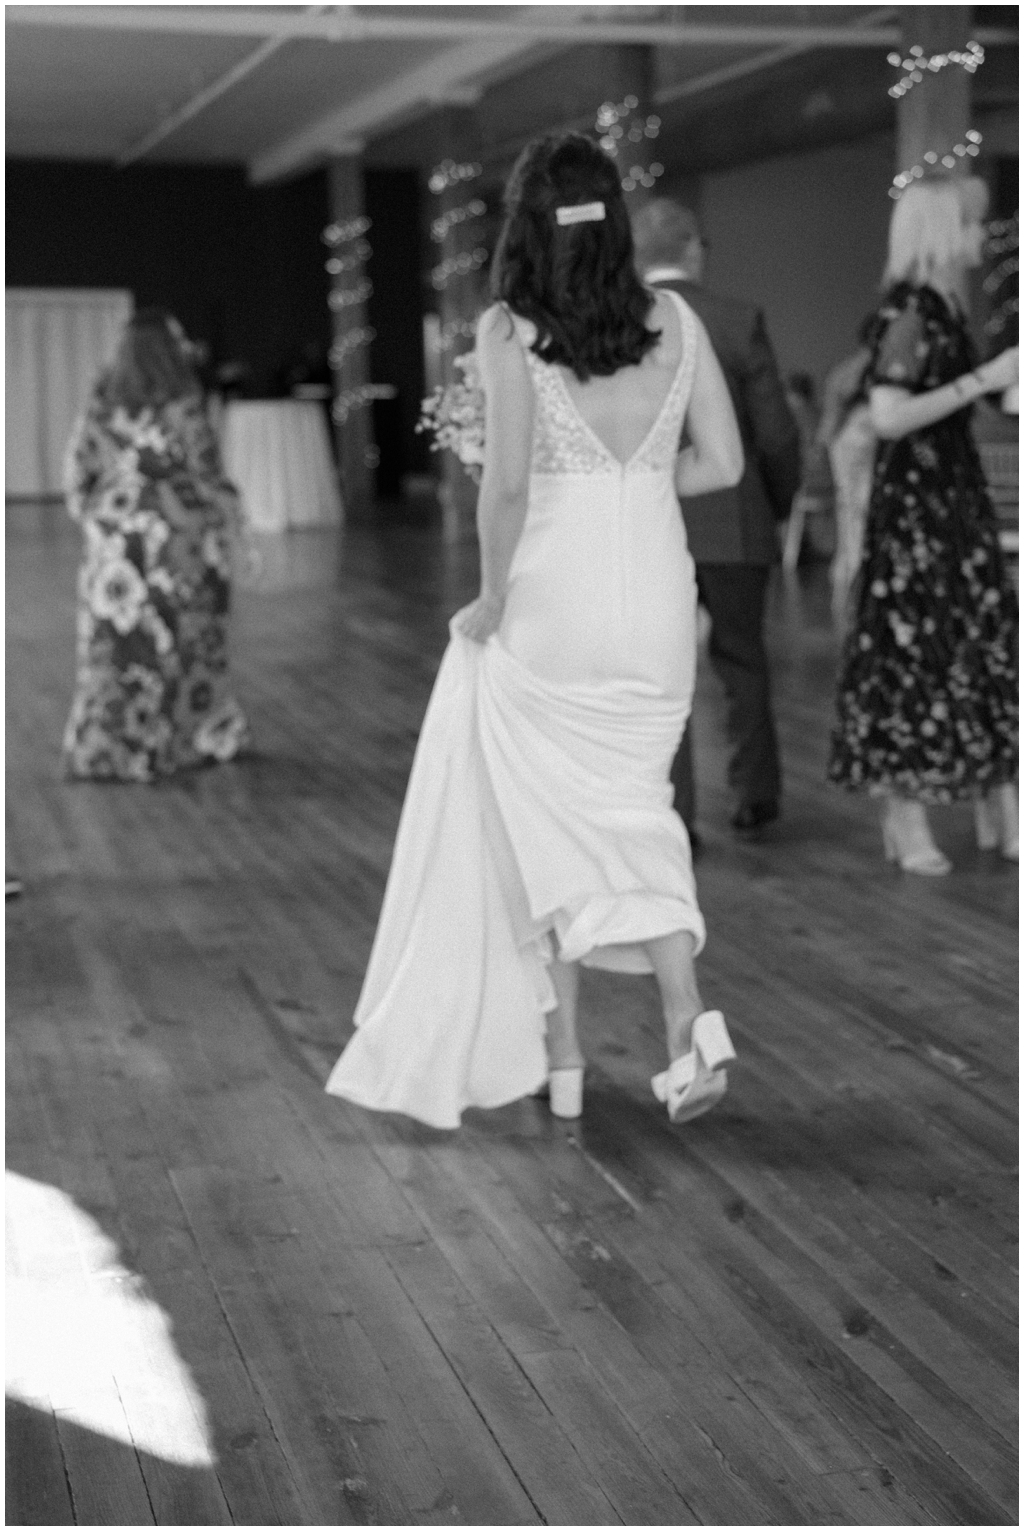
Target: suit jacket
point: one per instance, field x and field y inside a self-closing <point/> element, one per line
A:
<point x="738" y="525"/>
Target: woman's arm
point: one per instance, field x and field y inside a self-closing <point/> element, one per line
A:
<point x="504" y="487"/>
<point x="80" y="464"/>
<point x="895" y="412"/>
<point x="714" y="458"/>
<point x="205" y="462"/>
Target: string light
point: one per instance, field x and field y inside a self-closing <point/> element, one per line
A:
<point x="916" y="65"/>
<point x="1003" y="240"/>
<point x="348" y="297"/>
<point x="618" y="125"/>
<point x="458" y="265"/>
<point x="458" y="330"/>
<point x="996" y="278"/>
<point x="341" y="233"/>
<point x="931" y="161"/>
<point x="336" y="234"/>
<point x="349" y="341"/>
<point x="456" y="215"/>
<point x="448" y="173"/>
<point x="1003" y="235"/>
<point x="638" y="176"/>
<point x="454" y="331"/>
<point x="356" y="398"/>
<point x="348" y="262"/>
<point x="340" y="263"/>
<point x="1002" y="316"/>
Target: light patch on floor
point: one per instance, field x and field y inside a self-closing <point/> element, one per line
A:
<point x="84" y="1338"/>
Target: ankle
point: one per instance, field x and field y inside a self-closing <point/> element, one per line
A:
<point x="565" y="1057"/>
<point x="679" y="1030"/>
<point x="1005" y="818"/>
<point x="906" y="813"/>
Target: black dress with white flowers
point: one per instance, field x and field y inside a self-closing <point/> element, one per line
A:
<point x="157" y="514"/>
<point x="927" y="703"/>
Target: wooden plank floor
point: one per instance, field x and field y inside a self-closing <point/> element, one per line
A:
<point x="237" y="1300"/>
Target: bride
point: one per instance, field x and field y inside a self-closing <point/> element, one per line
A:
<point x="537" y="831"/>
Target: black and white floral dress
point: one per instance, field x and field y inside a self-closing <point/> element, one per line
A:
<point x="157" y="515"/>
<point x="927" y="703"/>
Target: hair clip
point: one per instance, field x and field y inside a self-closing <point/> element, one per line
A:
<point x="584" y="212"/>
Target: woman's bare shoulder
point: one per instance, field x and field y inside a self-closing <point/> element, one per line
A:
<point x="501" y="342"/>
<point x="665" y="317"/>
<point x="496" y="326"/>
<point x="664" y="305"/>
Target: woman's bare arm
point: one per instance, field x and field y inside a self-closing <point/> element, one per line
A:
<point x="80" y="463"/>
<point x="895" y="412"/>
<point x="714" y="458"/>
<point x="504" y="487"/>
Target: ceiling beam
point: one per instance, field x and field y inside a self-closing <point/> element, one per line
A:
<point x="544" y="23"/>
<point x="197" y="103"/>
<point x="212" y="92"/>
<point x="502" y="154"/>
<point x="700" y="83"/>
<point x="444" y="77"/>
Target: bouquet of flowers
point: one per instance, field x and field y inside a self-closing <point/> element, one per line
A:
<point x="455" y="417"/>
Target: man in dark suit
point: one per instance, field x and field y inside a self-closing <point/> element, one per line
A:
<point x="731" y="532"/>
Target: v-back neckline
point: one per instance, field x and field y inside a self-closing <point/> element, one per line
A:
<point x="606" y="450"/>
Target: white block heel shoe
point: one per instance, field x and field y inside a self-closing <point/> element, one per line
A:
<point x="995" y="821"/>
<point x="696" y="1081"/>
<point x="907" y="838"/>
<point x="565" y="1090"/>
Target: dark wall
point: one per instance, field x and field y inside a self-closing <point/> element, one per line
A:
<point x="241" y="266"/>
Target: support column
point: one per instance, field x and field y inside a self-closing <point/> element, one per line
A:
<point x="629" y="123"/>
<point x="934" y="115"/>
<point x="347" y="249"/>
<point x="455" y="210"/>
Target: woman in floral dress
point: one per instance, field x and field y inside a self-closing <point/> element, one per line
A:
<point x="144" y="479"/>
<point x="927" y="706"/>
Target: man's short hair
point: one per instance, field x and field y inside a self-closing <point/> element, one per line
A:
<point x="662" y="228"/>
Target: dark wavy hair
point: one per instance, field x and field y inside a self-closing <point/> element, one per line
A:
<point x="577" y="283"/>
<point x="152" y="365"/>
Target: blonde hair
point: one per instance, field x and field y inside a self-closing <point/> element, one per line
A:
<point x="928" y="228"/>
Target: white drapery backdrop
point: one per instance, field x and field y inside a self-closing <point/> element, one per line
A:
<point x="57" y="341"/>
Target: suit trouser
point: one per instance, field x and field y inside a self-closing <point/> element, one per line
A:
<point x="734" y="597"/>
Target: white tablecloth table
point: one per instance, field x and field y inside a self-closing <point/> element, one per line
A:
<point x="278" y="453"/>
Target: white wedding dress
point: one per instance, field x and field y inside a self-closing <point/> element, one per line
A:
<point x="538" y="815"/>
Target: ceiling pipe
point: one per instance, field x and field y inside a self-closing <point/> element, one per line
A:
<point x="346" y="24"/>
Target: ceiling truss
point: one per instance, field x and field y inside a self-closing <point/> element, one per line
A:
<point x="486" y="47"/>
<point x="446" y="77"/>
